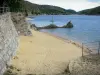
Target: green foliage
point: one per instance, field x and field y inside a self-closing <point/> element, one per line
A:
<point x="46" y="9"/>
<point x="69" y="11"/>
<point x="26" y="13"/>
<point x="15" y="5"/>
<point x="27" y="7"/>
<point x="50" y="26"/>
<point x="93" y="11"/>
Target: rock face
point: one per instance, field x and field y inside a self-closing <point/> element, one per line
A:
<point x="33" y="26"/>
<point x="22" y="27"/>
<point x="8" y="41"/>
<point x="51" y="26"/>
<point x="68" y="25"/>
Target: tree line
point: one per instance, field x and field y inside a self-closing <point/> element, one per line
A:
<point x="36" y="9"/>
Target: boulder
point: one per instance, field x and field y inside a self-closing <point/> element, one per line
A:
<point x="68" y="25"/>
<point x="50" y="26"/>
<point x="33" y="26"/>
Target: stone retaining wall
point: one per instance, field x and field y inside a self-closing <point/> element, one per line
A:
<point x="8" y="41"/>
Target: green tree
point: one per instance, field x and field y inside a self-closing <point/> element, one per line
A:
<point x="32" y="12"/>
<point x="15" y="5"/>
<point x="26" y="13"/>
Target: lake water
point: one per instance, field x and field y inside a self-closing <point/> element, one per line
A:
<point x="86" y="28"/>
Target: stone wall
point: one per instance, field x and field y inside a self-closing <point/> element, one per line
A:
<point x="23" y="27"/>
<point x="8" y="41"/>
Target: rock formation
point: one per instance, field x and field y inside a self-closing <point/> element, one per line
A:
<point x="68" y="25"/>
<point x="52" y="26"/>
<point x="22" y="27"/>
<point x="8" y="41"/>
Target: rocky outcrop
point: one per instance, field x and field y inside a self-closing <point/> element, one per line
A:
<point x="68" y="25"/>
<point x="8" y="41"/>
<point x="33" y="26"/>
<point x="52" y="26"/>
<point x="22" y="27"/>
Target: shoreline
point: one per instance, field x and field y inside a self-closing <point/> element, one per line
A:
<point x="28" y="19"/>
<point x="65" y="40"/>
<point x="43" y="53"/>
<point x="77" y="44"/>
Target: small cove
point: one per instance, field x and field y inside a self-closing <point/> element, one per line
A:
<point x="86" y="28"/>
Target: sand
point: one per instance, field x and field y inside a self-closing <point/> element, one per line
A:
<point x="28" y="19"/>
<point x="44" y="54"/>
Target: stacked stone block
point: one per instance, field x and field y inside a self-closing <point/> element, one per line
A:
<point x="8" y="41"/>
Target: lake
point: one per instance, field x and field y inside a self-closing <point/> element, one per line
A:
<point x="86" y="28"/>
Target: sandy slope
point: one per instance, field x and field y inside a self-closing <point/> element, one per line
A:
<point x="44" y="54"/>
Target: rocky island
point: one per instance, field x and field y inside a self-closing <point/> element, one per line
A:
<point x="68" y="25"/>
<point x="52" y="26"/>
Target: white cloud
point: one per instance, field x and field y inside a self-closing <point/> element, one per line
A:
<point x="68" y="4"/>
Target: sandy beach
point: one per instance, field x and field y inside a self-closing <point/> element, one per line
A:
<point x="44" y="54"/>
<point x="28" y="19"/>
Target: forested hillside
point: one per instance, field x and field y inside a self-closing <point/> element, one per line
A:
<point x="31" y="8"/>
<point x="93" y="11"/>
<point x="46" y="9"/>
<point x="15" y="5"/>
<point x="28" y="7"/>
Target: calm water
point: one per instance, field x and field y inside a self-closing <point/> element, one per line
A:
<point x="86" y="28"/>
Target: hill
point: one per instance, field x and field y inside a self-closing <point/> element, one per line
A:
<point x="32" y="8"/>
<point x="46" y="9"/>
<point x="92" y="11"/>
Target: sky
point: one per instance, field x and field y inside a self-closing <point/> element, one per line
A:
<point x="77" y="5"/>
